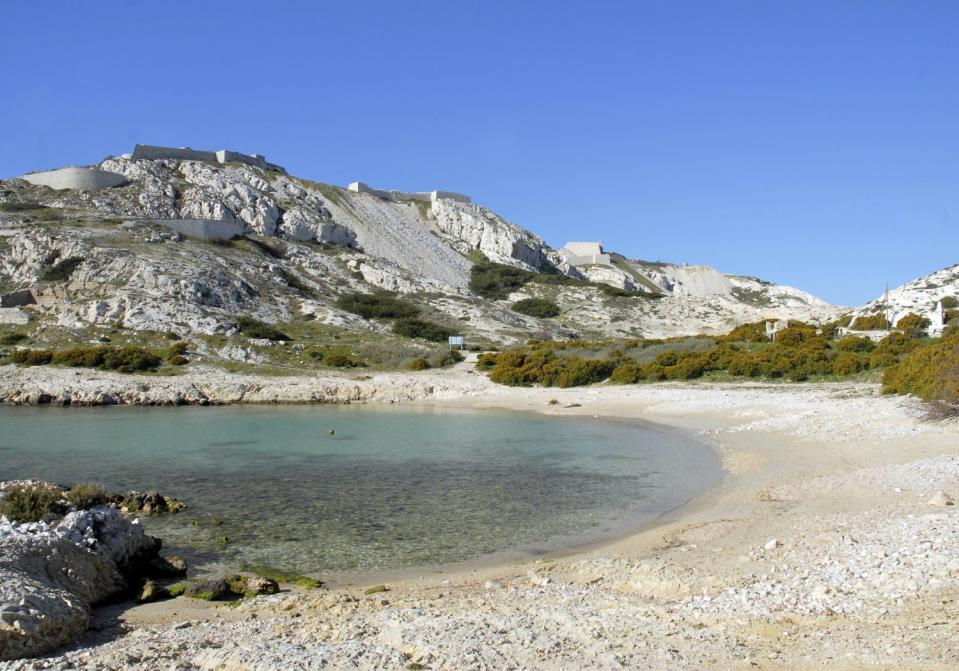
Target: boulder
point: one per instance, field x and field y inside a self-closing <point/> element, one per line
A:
<point x="51" y="575"/>
<point x="172" y="566"/>
<point x="229" y="587"/>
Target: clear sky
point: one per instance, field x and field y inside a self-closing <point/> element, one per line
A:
<point x="810" y="143"/>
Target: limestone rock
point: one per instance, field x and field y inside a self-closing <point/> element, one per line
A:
<point x="51" y="575"/>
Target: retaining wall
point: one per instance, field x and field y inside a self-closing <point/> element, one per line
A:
<point x="205" y="229"/>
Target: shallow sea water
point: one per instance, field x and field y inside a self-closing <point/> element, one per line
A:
<point x="393" y="488"/>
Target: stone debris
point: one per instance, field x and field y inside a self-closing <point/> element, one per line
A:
<point x="941" y="499"/>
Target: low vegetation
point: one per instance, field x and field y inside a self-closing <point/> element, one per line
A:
<point x="380" y="305"/>
<point x="122" y="359"/>
<point x="31" y="502"/>
<point x="419" y="328"/>
<point x="254" y="328"/>
<point x="61" y="270"/>
<point x="799" y="352"/>
<point x="537" y="307"/>
<point x="930" y="372"/>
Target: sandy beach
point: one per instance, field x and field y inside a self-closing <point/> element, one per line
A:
<point x="828" y="544"/>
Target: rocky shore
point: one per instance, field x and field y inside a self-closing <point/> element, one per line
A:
<point x="831" y="543"/>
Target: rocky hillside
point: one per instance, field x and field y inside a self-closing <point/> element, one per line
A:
<point x="919" y="295"/>
<point x="124" y="258"/>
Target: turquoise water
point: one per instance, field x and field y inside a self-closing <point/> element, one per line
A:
<point x="393" y="488"/>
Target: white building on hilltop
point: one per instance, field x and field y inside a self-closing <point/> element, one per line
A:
<point x="585" y="254"/>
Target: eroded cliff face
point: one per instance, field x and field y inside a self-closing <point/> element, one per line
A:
<point x="106" y="258"/>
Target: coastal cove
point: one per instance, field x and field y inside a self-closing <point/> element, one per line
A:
<point x="395" y="488"/>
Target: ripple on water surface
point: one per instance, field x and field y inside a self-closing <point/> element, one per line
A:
<point x="393" y="488"/>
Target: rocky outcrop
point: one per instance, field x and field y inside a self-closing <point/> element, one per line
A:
<point x="471" y="227"/>
<point x="51" y="575"/>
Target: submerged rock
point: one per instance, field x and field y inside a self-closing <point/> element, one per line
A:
<point x="228" y="587"/>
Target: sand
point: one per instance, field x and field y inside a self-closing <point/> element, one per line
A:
<point x="819" y="549"/>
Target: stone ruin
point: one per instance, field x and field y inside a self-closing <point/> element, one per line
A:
<point x="585" y="254"/>
<point x="421" y="196"/>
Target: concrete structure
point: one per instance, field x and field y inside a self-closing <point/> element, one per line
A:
<point x="449" y="195"/>
<point x="16" y="299"/>
<point x="775" y="326"/>
<point x="875" y="336"/>
<point x="204" y="229"/>
<point x="76" y="178"/>
<point x="399" y="196"/>
<point x="585" y="254"/>
<point x="937" y="320"/>
<point x="148" y="152"/>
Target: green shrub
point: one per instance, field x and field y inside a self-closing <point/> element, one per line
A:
<point x="627" y="373"/>
<point x="930" y="372"/>
<point x="127" y="359"/>
<point x="949" y="302"/>
<point x="177" y="360"/>
<point x="419" y="364"/>
<point x="418" y="328"/>
<point x="497" y="281"/>
<point x="753" y="332"/>
<point x="13" y="338"/>
<point x="871" y="323"/>
<point x="891" y="349"/>
<point x="87" y="495"/>
<point x="792" y="336"/>
<point x="486" y="361"/>
<point x="854" y="344"/>
<point x="31" y="357"/>
<point x="254" y="328"/>
<point x="537" y="307"/>
<point x="31" y="503"/>
<point x="340" y="357"/>
<point x="913" y="324"/>
<point x="848" y="363"/>
<point x="60" y="271"/>
<point x="448" y="358"/>
<point x="380" y="305"/>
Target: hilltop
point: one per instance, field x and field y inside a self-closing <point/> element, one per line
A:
<point x="190" y="244"/>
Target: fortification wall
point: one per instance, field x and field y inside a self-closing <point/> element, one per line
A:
<point x="421" y="196"/>
<point x="205" y="229"/>
<point x="224" y="156"/>
<point x="152" y="153"/>
<point x="449" y="195"/>
<point x="76" y="178"/>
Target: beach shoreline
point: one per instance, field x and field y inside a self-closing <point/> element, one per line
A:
<point x="818" y="547"/>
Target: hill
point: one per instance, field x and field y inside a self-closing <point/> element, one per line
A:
<point x="149" y="247"/>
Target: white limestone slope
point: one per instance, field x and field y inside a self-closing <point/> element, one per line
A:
<point x="918" y="296"/>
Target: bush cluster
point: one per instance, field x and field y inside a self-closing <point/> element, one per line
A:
<point x="254" y="328"/>
<point x="495" y="280"/>
<point x="60" y="271"/>
<point x="537" y="307"/>
<point x="543" y="367"/>
<point x="128" y="359"/>
<point x="418" y="328"/>
<point x="930" y="372"/>
<point x="31" y="503"/>
<point x="871" y="323"/>
<point x="338" y="357"/>
<point x="380" y="305"/>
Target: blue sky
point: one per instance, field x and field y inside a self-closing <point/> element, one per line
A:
<point x="811" y="143"/>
